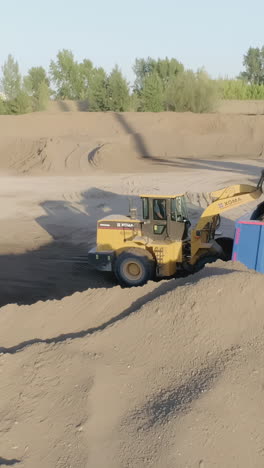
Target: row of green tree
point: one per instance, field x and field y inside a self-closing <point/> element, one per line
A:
<point x="250" y="82"/>
<point x="162" y="84"/>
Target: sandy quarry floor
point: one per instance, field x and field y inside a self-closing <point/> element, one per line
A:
<point x="93" y="375"/>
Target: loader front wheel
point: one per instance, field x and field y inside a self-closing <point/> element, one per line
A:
<point x="134" y="267"/>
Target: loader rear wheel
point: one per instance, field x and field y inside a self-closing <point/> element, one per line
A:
<point x="134" y="267"/>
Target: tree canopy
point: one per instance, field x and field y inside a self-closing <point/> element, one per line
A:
<point x="161" y="84"/>
<point x="11" y="79"/>
<point x="254" y="66"/>
<point x="117" y="91"/>
<point x="165" y="69"/>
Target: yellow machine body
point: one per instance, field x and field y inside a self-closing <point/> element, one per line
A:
<point x="119" y="236"/>
<point x="165" y="242"/>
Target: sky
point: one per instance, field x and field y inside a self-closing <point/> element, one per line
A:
<point x="214" y="34"/>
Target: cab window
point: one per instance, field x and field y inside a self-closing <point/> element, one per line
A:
<point x="159" y="209"/>
<point x="178" y="209"/>
<point x="159" y="229"/>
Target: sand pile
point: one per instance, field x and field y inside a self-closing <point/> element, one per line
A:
<point x="166" y="375"/>
<point x="232" y="106"/>
<point x="79" y="143"/>
<point x="93" y="375"/>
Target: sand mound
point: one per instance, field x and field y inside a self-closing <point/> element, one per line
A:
<point x="248" y="107"/>
<point x="226" y="106"/>
<point x="93" y="375"/>
<point x="79" y="143"/>
<point x="166" y="375"/>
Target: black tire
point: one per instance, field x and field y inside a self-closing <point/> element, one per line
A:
<point x="134" y="267"/>
<point x="227" y="245"/>
<point x="258" y="213"/>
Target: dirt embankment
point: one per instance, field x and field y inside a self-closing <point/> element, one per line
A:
<point x="226" y="106"/>
<point x="80" y="142"/>
<point x="249" y="107"/>
<point x="92" y="375"/>
<point x="166" y="375"/>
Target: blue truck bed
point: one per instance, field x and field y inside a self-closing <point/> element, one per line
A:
<point x="249" y="243"/>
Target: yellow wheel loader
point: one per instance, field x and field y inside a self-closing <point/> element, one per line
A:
<point x="162" y="244"/>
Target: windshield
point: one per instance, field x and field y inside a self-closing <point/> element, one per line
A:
<point x="178" y="209"/>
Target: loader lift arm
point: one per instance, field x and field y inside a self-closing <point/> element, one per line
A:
<point x="224" y="200"/>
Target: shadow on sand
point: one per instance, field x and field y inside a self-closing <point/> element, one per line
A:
<point x="159" y="291"/>
<point x="10" y="462"/>
<point x="59" y="268"/>
<point x="185" y="163"/>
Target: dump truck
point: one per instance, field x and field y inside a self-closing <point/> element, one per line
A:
<point x="161" y="243"/>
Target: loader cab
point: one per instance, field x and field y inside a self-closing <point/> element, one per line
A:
<point x="165" y="217"/>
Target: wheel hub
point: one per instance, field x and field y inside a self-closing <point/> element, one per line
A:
<point x="133" y="270"/>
